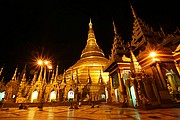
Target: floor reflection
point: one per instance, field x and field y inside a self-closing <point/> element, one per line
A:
<point x="50" y="114"/>
<point x="31" y="114"/>
<point x="70" y="114"/>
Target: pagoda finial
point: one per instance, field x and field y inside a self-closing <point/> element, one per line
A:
<point x="24" y="77"/>
<point x="90" y="23"/>
<point x="115" y="30"/>
<point x="92" y="48"/>
<point x="2" y="80"/>
<point x="14" y="76"/>
<point x="133" y="12"/>
<point x="1" y="70"/>
<point x="91" y="31"/>
<point x="162" y="31"/>
<point x="52" y="77"/>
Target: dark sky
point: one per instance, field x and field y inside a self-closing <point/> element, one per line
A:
<point x="58" y="29"/>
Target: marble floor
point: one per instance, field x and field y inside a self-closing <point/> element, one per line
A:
<point x="103" y="112"/>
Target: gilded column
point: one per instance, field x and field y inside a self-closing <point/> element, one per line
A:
<point x="121" y="87"/>
<point x="161" y="75"/>
<point x="112" y="90"/>
<point x="169" y="76"/>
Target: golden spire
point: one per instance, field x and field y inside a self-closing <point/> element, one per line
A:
<point x="162" y="31"/>
<point x="115" y="30"/>
<point x="1" y="70"/>
<point x="52" y="77"/>
<point x="91" y="31"/>
<point x="57" y="67"/>
<point x="90" y="24"/>
<point x="133" y="12"/>
<point x="24" y="77"/>
<point x="135" y="67"/>
<point x="40" y="74"/>
<point x="56" y="75"/>
<point x="34" y="78"/>
<point x="14" y="76"/>
<point x="92" y="48"/>
<point x="2" y="80"/>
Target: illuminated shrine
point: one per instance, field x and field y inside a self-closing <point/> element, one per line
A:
<point x="142" y="73"/>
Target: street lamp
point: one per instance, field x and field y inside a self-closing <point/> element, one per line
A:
<point x="43" y="64"/>
<point x="153" y="54"/>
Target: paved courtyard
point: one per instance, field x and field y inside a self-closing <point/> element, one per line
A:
<point x="104" y="112"/>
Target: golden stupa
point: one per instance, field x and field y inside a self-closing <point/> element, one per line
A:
<point x="91" y="63"/>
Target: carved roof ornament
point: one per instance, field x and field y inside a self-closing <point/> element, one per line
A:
<point x="135" y="67"/>
<point x="177" y="49"/>
<point x="118" y="47"/>
<point x="126" y="59"/>
<point x="143" y="33"/>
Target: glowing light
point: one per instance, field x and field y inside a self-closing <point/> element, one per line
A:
<point x="14" y="96"/>
<point x="53" y="96"/>
<point x="40" y="62"/>
<point x="46" y="62"/>
<point x="34" y="96"/>
<point x="153" y="54"/>
<point x="49" y="67"/>
<point x="2" y="94"/>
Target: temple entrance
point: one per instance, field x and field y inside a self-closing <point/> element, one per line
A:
<point x="52" y="96"/>
<point x="133" y="96"/>
<point x="2" y="95"/>
<point x="103" y="97"/>
<point x="34" y="96"/>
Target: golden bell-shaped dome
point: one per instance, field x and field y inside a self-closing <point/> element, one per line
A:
<point x="92" y="59"/>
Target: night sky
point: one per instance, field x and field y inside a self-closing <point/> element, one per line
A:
<point x="58" y="29"/>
